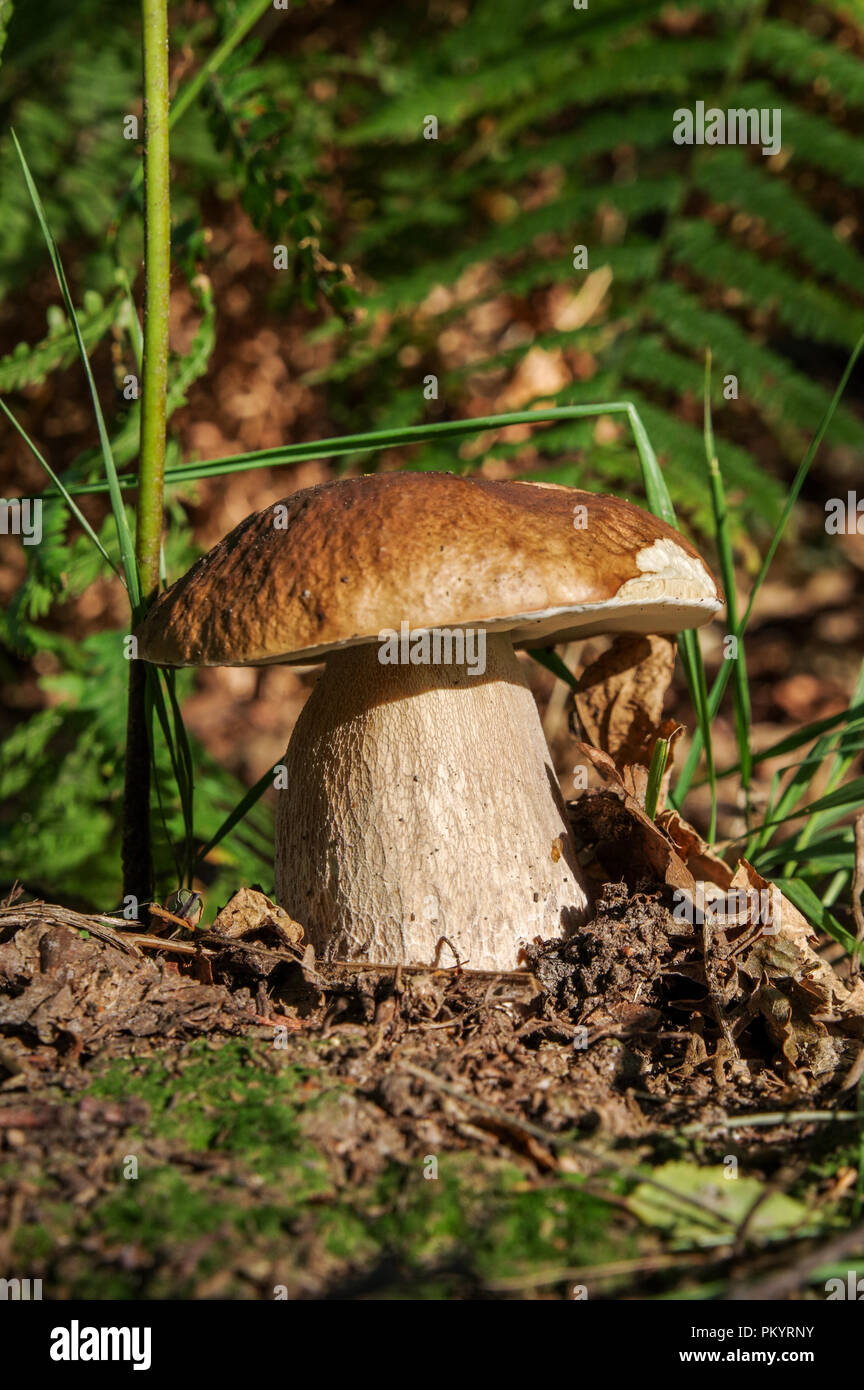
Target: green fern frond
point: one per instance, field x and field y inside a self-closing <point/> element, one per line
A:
<point x="5" y="16"/>
<point x="566" y="218"/>
<point x="29" y="365"/>
<point x="261" y="128"/>
<point x="797" y="55"/>
<point x="557" y="74"/>
<point x="784" y="397"/>
<point x="764" y="284"/>
<point x="729" y="177"/>
<point x="809" y="138"/>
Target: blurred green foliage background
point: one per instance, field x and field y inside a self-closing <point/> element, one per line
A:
<point x="411" y="257"/>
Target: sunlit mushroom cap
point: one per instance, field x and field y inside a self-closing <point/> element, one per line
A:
<point x="335" y="565"/>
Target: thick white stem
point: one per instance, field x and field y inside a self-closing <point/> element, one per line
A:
<point x="421" y="802"/>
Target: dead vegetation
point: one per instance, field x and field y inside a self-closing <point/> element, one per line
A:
<point x="664" y="1017"/>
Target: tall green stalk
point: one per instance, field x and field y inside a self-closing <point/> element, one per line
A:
<point x="137" y="853"/>
<point x="157" y="293"/>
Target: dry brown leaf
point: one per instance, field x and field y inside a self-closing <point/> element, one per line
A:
<point x="619" y="697"/>
<point x="603" y="763"/>
<point x="80" y="993"/>
<point x="791" y="924"/>
<point x="634" y="778"/>
<point x="703" y="863"/>
<point x="627" y="844"/>
<point x="250" y="913"/>
<point x="785" y="950"/>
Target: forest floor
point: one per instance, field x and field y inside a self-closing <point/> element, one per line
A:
<point x="652" y="1109"/>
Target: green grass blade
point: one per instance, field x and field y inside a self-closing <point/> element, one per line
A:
<point x="249" y="15"/>
<point x="548" y="657"/>
<point x="740" y="686"/>
<point x="374" y="441"/>
<point x="154" y="704"/>
<point x="656" y="490"/>
<point x="852" y="715"/>
<point x="70" y="501"/>
<point x="801" y="895"/>
<point x="805" y="771"/>
<point x="124" y="534"/>
<point x="697" y="681"/>
<point x="844" y="800"/>
<point x="253" y="795"/>
<point x="661" y="505"/>
<point x="836" y="845"/>
<point x="186" y="780"/>
<point x="656" y="770"/>
<point x="180" y="756"/>
<point x="132" y="322"/>
<point x="844" y="758"/>
<point x="719" y="686"/>
<point x="837" y="886"/>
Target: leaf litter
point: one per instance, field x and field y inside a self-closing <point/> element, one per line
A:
<point x="695" y="998"/>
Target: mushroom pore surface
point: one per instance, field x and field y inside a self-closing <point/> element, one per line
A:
<point x="421" y="803"/>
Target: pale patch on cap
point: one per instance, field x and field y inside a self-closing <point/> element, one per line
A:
<point x="669" y="572"/>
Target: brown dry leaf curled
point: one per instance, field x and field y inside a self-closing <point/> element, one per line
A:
<point x="626" y="843"/>
<point x="619" y="697"/>
<point x="250" y="914"/>
<point x="619" y="704"/>
<point x="799" y="992"/>
<point x="703" y="863"/>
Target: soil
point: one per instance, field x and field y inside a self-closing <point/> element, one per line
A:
<point x="312" y="1130"/>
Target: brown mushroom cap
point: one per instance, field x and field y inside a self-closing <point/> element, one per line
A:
<point x="332" y="566"/>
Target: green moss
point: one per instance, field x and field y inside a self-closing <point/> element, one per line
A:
<point x="256" y="1168"/>
<point x="230" y="1180"/>
<point x="489" y="1212"/>
<point x="221" y="1098"/>
<point x="37" y="1242"/>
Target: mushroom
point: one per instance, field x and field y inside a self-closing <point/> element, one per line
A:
<point x="420" y="802"/>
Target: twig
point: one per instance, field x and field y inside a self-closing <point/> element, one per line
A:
<point x="21" y="914"/>
<point x="646" y="1264"/>
<point x="788" y="1280"/>
<point x="545" y="1136"/>
<point x="776" y="1117"/>
<point x="159" y="943"/>
<point x="15" y="892"/>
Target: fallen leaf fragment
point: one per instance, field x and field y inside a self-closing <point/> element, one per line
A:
<point x="619" y="697"/>
<point x="251" y="914"/>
